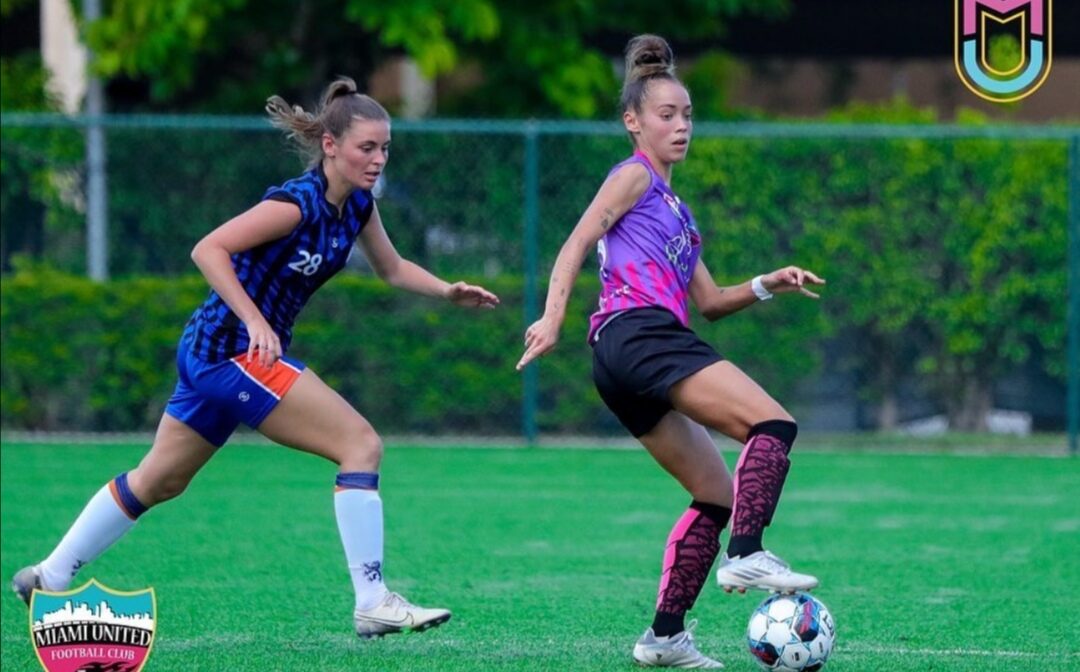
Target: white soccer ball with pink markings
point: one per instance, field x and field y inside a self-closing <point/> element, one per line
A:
<point x="791" y="633"/>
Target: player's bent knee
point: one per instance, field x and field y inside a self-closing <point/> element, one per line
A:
<point x="710" y="483"/>
<point x="364" y="448"/>
<point x="718" y="492"/>
<point x="785" y="429"/>
<point x="775" y="412"/>
<point x="153" y="491"/>
<point x="171" y="489"/>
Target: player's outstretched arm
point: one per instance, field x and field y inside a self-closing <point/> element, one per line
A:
<point x="616" y="196"/>
<point x="404" y="274"/>
<point x="716" y="302"/>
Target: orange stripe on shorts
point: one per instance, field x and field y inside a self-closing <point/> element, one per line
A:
<point x="277" y="379"/>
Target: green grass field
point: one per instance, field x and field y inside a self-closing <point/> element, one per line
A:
<point x="550" y="558"/>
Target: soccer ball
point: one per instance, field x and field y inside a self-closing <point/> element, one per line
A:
<point x="791" y="633"/>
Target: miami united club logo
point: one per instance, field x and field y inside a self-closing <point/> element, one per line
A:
<point x="92" y="629"/>
<point x="978" y="22"/>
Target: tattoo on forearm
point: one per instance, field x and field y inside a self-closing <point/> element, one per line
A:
<point x="606" y="222"/>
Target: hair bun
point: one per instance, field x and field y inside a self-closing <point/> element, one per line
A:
<point x="647" y="56"/>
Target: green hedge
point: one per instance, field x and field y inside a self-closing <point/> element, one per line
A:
<point x="89" y="356"/>
<point x="945" y="260"/>
<point x="945" y="257"/>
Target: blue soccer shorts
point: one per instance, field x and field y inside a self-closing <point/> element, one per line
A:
<point x="213" y="399"/>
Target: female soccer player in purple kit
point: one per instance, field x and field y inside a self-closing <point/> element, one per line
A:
<point x="664" y="383"/>
<point x="263" y="266"/>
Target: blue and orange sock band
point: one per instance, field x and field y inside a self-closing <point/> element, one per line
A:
<point x="356" y="480"/>
<point x="125" y="498"/>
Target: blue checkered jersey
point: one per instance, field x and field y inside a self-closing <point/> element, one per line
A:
<point x="281" y="275"/>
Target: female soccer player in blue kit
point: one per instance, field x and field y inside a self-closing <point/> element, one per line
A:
<point x="263" y="266"/>
<point x="664" y="383"/>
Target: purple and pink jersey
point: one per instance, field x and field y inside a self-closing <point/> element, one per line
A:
<point x="648" y="256"/>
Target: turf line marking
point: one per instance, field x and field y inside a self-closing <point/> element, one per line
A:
<point x="863" y="648"/>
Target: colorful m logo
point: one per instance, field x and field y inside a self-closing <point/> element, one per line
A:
<point x="975" y="20"/>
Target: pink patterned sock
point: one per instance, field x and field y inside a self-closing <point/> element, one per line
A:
<point x="692" y="547"/>
<point x="759" y="479"/>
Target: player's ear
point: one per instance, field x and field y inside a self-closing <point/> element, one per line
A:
<point x="631" y="122"/>
<point x="329" y="145"/>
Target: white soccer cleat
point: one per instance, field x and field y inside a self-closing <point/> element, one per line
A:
<point x="396" y="614"/>
<point x="763" y="571"/>
<point x="675" y="651"/>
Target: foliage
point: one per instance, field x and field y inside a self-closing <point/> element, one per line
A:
<point x="709" y="80"/>
<point x="537" y="59"/>
<point x="428" y="31"/>
<point x="1001" y="273"/>
<point x="40" y="184"/>
<point x="945" y="256"/>
<point x="79" y="354"/>
<point x="162" y="38"/>
<point x="22" y="83"/>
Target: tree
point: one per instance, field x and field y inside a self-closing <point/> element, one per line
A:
<point x="1001" y="269"/>
<point x="534" y="59"/>
<point x="951" y="259"/>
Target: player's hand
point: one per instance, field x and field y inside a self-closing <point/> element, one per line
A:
<point x="791" y="279"/>
<point x="263" y="343"/>
<point x="540" y="338"/>
<point x="471" y="296"/>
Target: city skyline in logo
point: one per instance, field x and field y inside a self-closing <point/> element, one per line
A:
<point x="102" y="612"/>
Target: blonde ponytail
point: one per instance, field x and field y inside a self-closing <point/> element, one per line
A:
<point x="341" y="103"/>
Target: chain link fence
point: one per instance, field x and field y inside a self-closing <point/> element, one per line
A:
<point x="946" y="247"/>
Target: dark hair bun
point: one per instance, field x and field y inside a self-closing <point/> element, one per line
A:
<point x="648" y="56"/>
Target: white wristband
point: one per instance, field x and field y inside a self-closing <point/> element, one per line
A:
<point x="759" y="289"/>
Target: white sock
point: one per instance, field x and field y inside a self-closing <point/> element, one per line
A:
<point x="360" y="522"/>
<point x="101" y="523"/>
